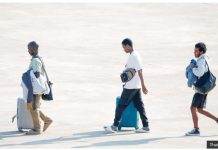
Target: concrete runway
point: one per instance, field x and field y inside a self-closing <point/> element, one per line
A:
<point x="81" y="46"/>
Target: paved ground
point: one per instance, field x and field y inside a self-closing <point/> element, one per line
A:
<point x="81" y="47"/>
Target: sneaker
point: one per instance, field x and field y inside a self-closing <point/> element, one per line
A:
<point x="33" y="132"/>
<point x="111" y="129"/>
<point x="47" y="124"/>
<point x="194" y="132"/>
<point x="143" y="130"/>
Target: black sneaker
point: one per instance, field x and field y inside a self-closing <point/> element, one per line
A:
<point x="194" y="132"/>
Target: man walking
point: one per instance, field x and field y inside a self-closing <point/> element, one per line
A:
<point x="33" y="105"/>
<point x="132" y="90"/>
<point x="199" y="100"/>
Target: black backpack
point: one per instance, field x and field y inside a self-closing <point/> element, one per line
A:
<point x="206" y="83"/>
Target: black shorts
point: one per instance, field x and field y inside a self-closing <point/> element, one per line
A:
<point x="199" y="100"/>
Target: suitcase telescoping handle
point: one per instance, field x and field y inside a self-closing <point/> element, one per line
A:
<point x="13" y="118"/>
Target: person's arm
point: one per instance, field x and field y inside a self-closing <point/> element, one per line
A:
<point x="138" y="68"/>
<point x="36" y="66"/>
<point x="200" y="69"/>
<point x="144" y="89"/>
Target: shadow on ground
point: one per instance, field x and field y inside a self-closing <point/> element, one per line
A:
<point x="85" y="136"/>
<point x="10" y="134"/>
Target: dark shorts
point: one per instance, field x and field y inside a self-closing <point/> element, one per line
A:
<point x="199" y="100"/>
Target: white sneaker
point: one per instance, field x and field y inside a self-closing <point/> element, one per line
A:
<point x="143" y="130"/>
<point x="111" y="129"/>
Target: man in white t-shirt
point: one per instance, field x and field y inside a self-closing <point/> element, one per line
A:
<point x="132" y="90"/>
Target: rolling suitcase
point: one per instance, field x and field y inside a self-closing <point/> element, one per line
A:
<point x="130" y="116"/>
<point x="24" y="118"/>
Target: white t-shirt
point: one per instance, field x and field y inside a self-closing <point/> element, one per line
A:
<point x="134" y="61"/>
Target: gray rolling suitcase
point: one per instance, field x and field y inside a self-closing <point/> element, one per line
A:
<point x="24" y="119"/>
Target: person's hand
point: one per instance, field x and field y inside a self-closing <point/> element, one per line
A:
<point x="29" y="106"/>
<point x="144" y="90"/>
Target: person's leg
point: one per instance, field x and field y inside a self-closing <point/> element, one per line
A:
<point x="194" y="117"/>
<point x="207" y="114"/>
<point x="125" y="99"/>
<point x="47" y="121"/>
<point x="35" y="113"/>
<point x="196" y="103"/>
<point x="195" y="131"/>
<point x="36" y="120"/>
<point x="118" y="114"/>
<point x="199" y="101"/>
<point x="137" y="101"/>
<point x="204" y="112"/>
<point x="43" y="116"/>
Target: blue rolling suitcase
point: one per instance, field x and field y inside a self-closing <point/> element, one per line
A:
<point x="130" y="117"/>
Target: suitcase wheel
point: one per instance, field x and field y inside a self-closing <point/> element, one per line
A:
<point x="136" y="128"/>
<point x="119" y="128"/>
<point x="20" y="130"/>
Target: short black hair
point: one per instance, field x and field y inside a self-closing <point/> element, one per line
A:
<point x="33" y="45"/>
<point x="201" y="46"/>
<point x="127" y="41"/>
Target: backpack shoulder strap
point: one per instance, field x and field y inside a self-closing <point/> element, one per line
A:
<point x="43" y="67"/>
<point x="206" y="64"/>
